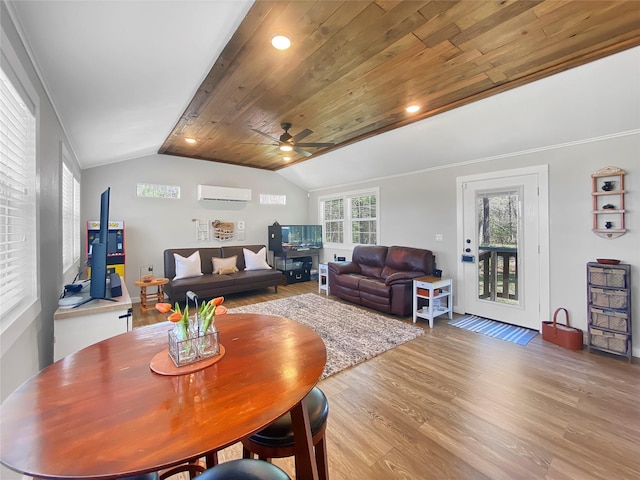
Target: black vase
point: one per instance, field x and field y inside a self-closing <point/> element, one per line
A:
<point x="607" y="186"/>
<point x="608" y="225"/>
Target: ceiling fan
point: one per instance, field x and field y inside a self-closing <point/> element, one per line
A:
<point x="288" y="142"/>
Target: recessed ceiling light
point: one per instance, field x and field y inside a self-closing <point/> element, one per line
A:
<point x="413" y="108"/>
<point x="190" y="140"/>
<point x="286" y="159"/>
<point x="280" y="42"/>
<point x="286" y="148"/>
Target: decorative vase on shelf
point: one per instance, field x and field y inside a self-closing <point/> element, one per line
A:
<point x="608" y="225"/>
<point x="607" y="186"/>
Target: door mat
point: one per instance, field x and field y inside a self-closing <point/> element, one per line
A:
<point x="495" y="329"/>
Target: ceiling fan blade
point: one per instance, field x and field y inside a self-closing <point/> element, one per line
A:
<point x="317" y="145"/>
<point x="303" y="134"/>
<point x="267" y="135"/>
<point x="301" y="151"/>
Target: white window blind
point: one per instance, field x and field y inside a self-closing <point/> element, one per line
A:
<point x="70" y="218"/>
<point x="67" y="218"/>
<point x="18" y="269"/>
<point x="76" y="220"/>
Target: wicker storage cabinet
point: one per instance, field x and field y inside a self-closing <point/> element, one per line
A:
<point x="609" y="307"/>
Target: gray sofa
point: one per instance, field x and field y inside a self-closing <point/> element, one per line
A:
<point x="209" y="285"/>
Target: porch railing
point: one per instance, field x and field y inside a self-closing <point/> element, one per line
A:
<point x="498" y="273"/>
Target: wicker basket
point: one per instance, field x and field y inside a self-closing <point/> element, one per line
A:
<point x="608" y="277"/>
<point x="617" y="321"/>
<point x="609" y="298"/>
<point x="614" y="342"/>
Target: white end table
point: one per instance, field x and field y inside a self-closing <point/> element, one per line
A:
<point x="432" y="297"/>
<point x="323" y="278"/>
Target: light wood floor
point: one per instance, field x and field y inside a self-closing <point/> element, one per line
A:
<point x="453" y="404"/>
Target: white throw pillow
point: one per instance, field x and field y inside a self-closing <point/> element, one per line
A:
<point x="187" y="267"/>
<point x="256" y="261"/>
<point x="219" y="263"/>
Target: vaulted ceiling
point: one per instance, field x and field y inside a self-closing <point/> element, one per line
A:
<point x="129" y="79"/>
<point x="354" y="66"/>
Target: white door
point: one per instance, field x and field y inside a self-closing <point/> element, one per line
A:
<point x="502" y="247"/>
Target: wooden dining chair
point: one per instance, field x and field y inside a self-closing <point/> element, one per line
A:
<point x="192" y="469"/>
<point x="276" y="440"/>
<point x="241" y="469"/>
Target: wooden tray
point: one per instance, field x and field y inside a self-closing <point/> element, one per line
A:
<point x="162" y="364"/>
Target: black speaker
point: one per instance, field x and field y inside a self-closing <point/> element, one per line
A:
<point x="275" y="238"/>
<point x="115" y="284"/>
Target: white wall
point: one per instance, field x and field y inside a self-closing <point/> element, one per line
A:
<point x="416" y="207"/>
<point x="153" y="225"/>
<point x="26" y="347"/>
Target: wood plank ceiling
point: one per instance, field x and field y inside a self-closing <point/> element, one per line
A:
<point x="354" y="66"/>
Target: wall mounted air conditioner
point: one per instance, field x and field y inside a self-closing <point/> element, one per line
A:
<point x="225" y="194"/>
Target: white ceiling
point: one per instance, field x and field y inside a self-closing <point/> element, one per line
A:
<point x="120" y="74"/>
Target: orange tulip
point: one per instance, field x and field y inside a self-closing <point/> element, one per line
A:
<point x="175" y="317"/>
<point x="163" y="307"/>
<point x="221" y="310"/>
<point x="217" y="301"/>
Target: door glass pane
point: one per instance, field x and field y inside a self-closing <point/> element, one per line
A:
<point x="497" y="215"/>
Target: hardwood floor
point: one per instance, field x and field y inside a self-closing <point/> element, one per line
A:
<point x="453" y="404"/>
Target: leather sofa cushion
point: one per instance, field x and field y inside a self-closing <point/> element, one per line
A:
<point x="407" y="259"/>
<point x="351" y="281"/>
<point x="371" y="259"/>
<point x="375" y="287"/>
<point x="369" y="271"/>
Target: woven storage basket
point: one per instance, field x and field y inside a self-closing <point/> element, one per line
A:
<point x="617" y="321"/>
<point x="608" y="298"/>
<point x="607" y="277"/>
<point x="615" y="342"/>
<point x="563" y="335"/>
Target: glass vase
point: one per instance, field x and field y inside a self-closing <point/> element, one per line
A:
<point x="182" y="346"/>
<point x="209" y="340"/>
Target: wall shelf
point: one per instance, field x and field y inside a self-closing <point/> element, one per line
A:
<point x="607" y="190"/>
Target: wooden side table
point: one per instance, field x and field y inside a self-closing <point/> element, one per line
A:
<point x="432" y="297"/>
<point x="158" y="296"/>
<point x="323" y="278"/>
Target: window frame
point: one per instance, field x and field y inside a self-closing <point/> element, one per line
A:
<point x="22" y="315"/>
<point x="70" y="219"/>
<point x="347" y="221"/>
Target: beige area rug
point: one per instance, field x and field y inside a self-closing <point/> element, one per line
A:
<point x="351" y="334"/>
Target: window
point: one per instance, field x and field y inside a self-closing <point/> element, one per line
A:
<point x="351" y="218"/>
<point x="272" y="199"/>
<point x="70" y="216"/>
<point x="158" y="191"/>
<point x="18" y="253"/>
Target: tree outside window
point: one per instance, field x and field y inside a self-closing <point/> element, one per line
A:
<point x="334" y="221"/>
<point x="350" y="218"/>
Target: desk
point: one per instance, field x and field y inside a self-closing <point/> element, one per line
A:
<point x="102" y="413"/>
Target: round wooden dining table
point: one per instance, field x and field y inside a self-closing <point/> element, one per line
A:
<point x="103" y="413"/>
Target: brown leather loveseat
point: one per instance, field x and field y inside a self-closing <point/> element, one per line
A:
<point x="380" y="277"/>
